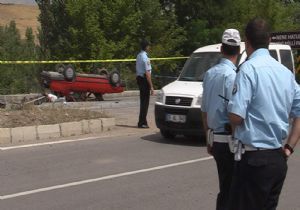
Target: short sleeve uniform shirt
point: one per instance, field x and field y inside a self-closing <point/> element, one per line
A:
<point x="217" y="88"/>
<point x="265" y="94"/>
<point x="142" y="64"/>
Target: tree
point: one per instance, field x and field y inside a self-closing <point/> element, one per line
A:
<point x="104" y="29"/>
<point x="54" y="24"/>
<point x="88" y="29"/>
<point x="205" y="20"/>
<point x="17" y="78"/>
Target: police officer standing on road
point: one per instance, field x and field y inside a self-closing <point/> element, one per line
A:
<point x="143" y="78"/>
<point x="264" y="96"/>
<point x="217" y="90"/>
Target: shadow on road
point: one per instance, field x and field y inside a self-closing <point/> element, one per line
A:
<point x="127" y="126"/>
<point x="179" y="140"/>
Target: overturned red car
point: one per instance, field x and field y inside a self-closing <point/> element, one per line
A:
<point x="65" y="82"/>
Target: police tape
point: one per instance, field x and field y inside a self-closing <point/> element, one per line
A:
<point x="88" y="61"/>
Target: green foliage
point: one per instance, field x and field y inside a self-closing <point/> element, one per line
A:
<point x="17" y="78"/>
<point x="105" y="29"/>
<point x="205" y="20"/>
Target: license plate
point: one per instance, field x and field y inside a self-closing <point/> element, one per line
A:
<point x="176" y="118"/>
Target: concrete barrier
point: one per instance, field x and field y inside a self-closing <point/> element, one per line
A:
<point x="95" y="126"/>
<point x="108" y="123"/>
<point x="48" y="131"/>
<point x="5" y="136"/>
<point x="127" y="93"/>
<point x="23" y="134"/>
<point x="19" y="97"/>
<point x="70" y="129"/>
<point x="44" y="132"/>
<point x="85" y="126"/>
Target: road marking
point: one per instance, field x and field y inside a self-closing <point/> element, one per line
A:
<point x="48" y="143"/>
<point x="114" y="176"/>
<point x="61" y="142"/>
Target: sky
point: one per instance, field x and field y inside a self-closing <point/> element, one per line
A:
<point x="18" y="1"/>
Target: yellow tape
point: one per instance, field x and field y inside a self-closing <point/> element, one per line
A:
<point x="88" y="61"/>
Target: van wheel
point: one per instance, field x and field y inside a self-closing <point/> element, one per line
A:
<point x="167" y="134"/>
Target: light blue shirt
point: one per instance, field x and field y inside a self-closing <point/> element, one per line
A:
<point x="218" y="81"/>
<point x="265" y="93"/>
<point x="142" y="64"/>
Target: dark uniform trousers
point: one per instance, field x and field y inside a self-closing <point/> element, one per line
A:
<point x="225" y="163"/>
<point x="258" y="180"/>
<point x="144" y="99"/>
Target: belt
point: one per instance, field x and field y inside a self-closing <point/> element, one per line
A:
<point x="249" y="148"/>
<point x="222" y="138"/>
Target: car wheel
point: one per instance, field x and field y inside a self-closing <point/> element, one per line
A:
<point x="114" y="78"/>
<point x="60" y="68"/>
<point x="167" y="134"/>
<point x="69" y="73"/>
<point x="99" y="96"/>
<point x="100" y="71"/>
<point x="46" y="83"/>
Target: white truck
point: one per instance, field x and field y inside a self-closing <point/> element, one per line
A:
<point x="178" y="104"/>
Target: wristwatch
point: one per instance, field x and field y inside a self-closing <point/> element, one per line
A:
<point x="288" y="147"/>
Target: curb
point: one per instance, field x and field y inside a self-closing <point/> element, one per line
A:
<point x="127" y="93"/>
<point x="19" y="97"/>
<point x="45" y="132"/>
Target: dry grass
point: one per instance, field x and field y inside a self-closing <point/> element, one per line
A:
<point x="24" y="16"/>
<point x="36" y="116"/>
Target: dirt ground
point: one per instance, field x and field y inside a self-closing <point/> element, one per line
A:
<point x="44" y="116"/>
<point x="24" y="16"/>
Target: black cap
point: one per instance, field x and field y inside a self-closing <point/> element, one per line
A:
<point x="144" y="44"/>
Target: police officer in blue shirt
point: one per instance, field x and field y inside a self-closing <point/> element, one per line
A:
<point x="217" y="89"/>
<point x="265" y="95"/>
<point x="143" y="78"/>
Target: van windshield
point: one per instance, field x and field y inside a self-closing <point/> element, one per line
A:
<point x="196" y="66"/>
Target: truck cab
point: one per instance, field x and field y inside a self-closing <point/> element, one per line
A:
<point x="178" y="104"/>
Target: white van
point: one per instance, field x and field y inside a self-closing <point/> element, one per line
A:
<point x="178" y="104"/>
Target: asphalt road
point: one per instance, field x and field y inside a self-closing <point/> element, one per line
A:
<point x="131" y="169"/>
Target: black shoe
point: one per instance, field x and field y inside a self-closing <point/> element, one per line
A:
<point x="143" y="126"/>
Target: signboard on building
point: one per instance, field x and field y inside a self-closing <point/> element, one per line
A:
<point x="290" y="38"/>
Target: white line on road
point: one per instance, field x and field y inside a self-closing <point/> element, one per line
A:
<point x="47" y="143"/>
<point x="60" y="142"/>
<point x="45" y="189"/>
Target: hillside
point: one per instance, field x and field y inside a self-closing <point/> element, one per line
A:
<point x="18" y="1"/>
<point x="24" y="16"/>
